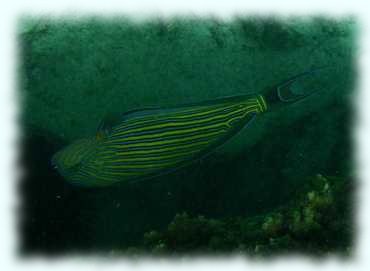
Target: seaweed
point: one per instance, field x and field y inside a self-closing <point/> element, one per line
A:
<point x="312" y="222"/>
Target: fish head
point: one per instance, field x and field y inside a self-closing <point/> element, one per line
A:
<point x="69" y="160"/>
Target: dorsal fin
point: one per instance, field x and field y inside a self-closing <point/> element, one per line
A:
<point x="112" y="119"/>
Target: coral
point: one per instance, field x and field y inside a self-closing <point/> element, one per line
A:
<point x="273" y="224"/>
<point x="308" y="223"/>
<point x="313" y="208"/>
<point x="186" y="233"/>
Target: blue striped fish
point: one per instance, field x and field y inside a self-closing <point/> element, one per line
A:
<point x="146" y="143"/>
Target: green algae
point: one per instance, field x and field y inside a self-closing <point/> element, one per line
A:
<point x="309" y="223"/>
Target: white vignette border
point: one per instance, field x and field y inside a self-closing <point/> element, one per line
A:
<point x="10" y="14"/>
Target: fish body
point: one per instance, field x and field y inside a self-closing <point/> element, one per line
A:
<point x="146" y="143"/>
<point x="150" y="142"/>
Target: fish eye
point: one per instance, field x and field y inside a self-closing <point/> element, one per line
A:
<point x="53" y="164"/>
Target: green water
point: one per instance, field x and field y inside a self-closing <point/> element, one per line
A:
<point x="74" y="72"/>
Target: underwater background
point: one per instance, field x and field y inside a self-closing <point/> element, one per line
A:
<point x="283" y="184"/>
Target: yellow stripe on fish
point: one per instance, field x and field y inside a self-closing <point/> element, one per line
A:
<point x="155" y="141"/>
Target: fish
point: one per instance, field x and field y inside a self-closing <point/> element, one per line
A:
<point x="149" y="142"/>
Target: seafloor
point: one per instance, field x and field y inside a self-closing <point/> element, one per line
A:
<point x="283" y="184"/>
